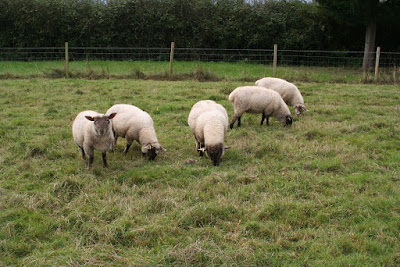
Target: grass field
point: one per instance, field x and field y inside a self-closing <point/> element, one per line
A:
<point x="325" y="191"/>
<point x="195" y="70"/>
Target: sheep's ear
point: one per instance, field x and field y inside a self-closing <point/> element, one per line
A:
<point x="89" y="118"/>
<point x="162" y="149"/>
<point x="112" y="115"/>
<point x="226" y="147"/>
<point x="146" y="148"/>
<point x="203" y="149"/>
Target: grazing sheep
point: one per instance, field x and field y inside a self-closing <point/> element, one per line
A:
<point x="255" y="99"/>
<point x="133" y="123"/>
<point x="209" y="123"/>
<point x="92" y="130"/>
<point x="288" y="91"/>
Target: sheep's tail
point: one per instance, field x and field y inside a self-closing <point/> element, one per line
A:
<point x="231" y="97"/>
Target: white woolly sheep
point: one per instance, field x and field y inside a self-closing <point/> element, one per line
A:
<point x="288" y="91"/>
<point x="133" y="123"/>
<point x="255" y="99"/>
<point x="92" y="130"/>
<point x="209" y="123"/>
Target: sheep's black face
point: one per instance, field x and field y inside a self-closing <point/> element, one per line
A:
<point x="215" y="153"/>
<point x="152" y="150"/>
<point x="288" y="120"/>
<point x="152" y="153"/>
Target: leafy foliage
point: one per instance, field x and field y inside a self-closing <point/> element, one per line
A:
<point x="190" y="23"/>
<point x="358" y="13"/>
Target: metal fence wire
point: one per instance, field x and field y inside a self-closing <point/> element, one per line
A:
<point x="351" y="59"/>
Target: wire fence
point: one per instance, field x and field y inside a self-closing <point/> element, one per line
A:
<point x="307" y="58"/>
<point x="258" y="56"/>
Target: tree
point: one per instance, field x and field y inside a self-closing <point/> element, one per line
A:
<point x="363" y="13"/>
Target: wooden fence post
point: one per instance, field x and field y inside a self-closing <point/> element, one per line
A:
<point x="171" y="58"/>
<point x="66" y="61"/>
<point x="378" y="54"/>
<point x="275" y="59"/>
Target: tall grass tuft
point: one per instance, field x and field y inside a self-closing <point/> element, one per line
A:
<point x="201" y="74"/>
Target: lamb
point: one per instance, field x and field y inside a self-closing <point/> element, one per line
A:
<point x="133" y="123"/>
<point x="289" y="92"/>
<point x="255" y="99"/>
<point x="209" y="123"/>
<point x="92" y="130"/>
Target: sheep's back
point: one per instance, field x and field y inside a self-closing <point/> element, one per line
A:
<point x="204" y="106"/>
<point x="253" y="99"/>
<point x="129" y="118"/>
<point x="211" y="127"/>
<point x="119" y="108"/>
<point x="288" y="91"/>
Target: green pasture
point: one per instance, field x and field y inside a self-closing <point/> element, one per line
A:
<point x="194" y="70"/>
<point x="323" y="192"/>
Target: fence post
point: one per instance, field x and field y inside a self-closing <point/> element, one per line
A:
<point x="171" y="58"/>
<point x="378" y="54"/>
<point x="275" y="59"/>
<point x="66" y="61"/>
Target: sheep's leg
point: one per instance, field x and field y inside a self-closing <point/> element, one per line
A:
<point x="234" y="119"/>
<point x="90" y="152"/>
<point x="115" y="140"/>
<point x="127" y="148"/>
<point x="82" y="152"/>
<point x="263" y="118"/>
<point x="129" y="142"/>
<point x="233" y="122"/>
<point x="198" y="146"/>
<point x="104" y="159"/>
<point x="90" y="162"/>
<point x="201" y="153"/>
<point x="239" y="121"/>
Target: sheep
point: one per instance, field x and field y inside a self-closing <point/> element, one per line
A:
<point x="92" y="130"/>
<point x="133" y="123"/>
<point x="289" y="92"/>
<point x="209" y="123"/>
<point x="255" y="99"/>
